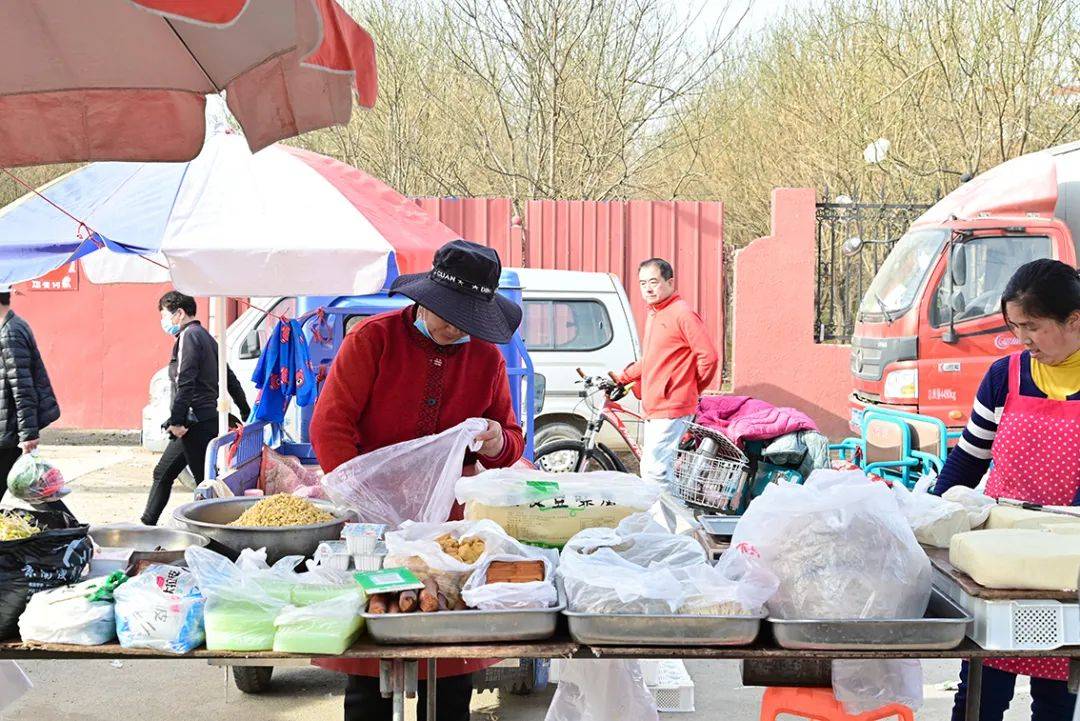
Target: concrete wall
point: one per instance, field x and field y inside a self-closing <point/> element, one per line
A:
<point x="775" y="356"/>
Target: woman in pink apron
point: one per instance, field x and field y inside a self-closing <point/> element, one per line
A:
<point x="1026" y="420"/>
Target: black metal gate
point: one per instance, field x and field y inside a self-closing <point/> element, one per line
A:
<point x="842" y="279"/>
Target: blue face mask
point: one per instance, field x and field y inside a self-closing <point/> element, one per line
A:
<point x="422" y="327"/>
<point x="169" y="327"/>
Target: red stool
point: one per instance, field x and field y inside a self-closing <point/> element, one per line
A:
<point x="820" y="704"/>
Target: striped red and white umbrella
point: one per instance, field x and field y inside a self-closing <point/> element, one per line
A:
<point x="85" y="80"/>
<point x="228" y="223"/>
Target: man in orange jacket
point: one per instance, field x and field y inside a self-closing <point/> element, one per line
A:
<point x="678" y="362"/>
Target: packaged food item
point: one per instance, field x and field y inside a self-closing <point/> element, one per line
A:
<point x="514" y="572"/>
<point x="368" y="561"/>
<point x="547" y="509"/>
<point x="243" y="598"/>
<point x="328" y="626"/>
<point x="1021" y="558"/>
<point x="933" y="519"/>
<point x="505" y="583"/>
<point x="333" y="554"/>
<point x="160" y="609"/>
<point x="362" y="538"/>
<point x="34" y="480"/>
<point x="389" y="580"/>
<point x="69" y="615"/>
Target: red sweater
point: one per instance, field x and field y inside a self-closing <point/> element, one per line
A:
<point x="678" y="361"/>
<point x="390" y="384"/>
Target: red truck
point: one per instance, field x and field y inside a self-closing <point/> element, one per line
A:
<point x="930" y="323"/>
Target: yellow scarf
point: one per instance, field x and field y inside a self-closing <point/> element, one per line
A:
<point x="1060" y="381"/>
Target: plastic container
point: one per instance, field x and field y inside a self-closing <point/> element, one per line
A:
<point x="333" y="554"/>
<point x="368" y="562"/>
<point x="362" y="538"/>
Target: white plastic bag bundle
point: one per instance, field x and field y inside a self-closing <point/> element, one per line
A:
<point x="977" y="504"/>
<point x="160" y="609"/>
<point x="480" y="594"/>
<point x="841" y="548"/>
<point x="867" y="685"/>
<point x="410" y="481"/>
<point x="595" y="690"/>
<point x="414" y="546"/>
<point x="641" y="568"/>
<point x="934" y="520"/>
<point x="67" y="615"/>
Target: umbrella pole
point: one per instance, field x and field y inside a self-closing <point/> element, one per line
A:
<point x="217" y="309"/>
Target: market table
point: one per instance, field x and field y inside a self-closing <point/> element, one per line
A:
<point x="399" y="665"/>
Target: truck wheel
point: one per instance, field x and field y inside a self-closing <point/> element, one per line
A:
<point x="252" y="679"/>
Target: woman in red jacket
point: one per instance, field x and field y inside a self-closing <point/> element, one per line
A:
<point x="413" y="373"/>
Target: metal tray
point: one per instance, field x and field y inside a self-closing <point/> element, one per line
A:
<point x="446" y="627"/>
<point x="632" y="629"/>
<point x="719" y="525"/>
<point x="942" y="628"/>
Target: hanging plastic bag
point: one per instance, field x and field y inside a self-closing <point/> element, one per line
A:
<point x="160" y="609"/>
<point x="480" y="594"/>
<point x="934" y="520"/>
<point x="35" y="480"/>
<point x="282" y="473"/>
<point x="867" y="685"/>
<point x="410" y="481"/>
<point x="243" y="599"/>
<point x="416" y="546"/>
<point x="56" y="553"/>
<point x="977" y="504"/>
<point x="841" y="548"/>
<point x="69" y="615"/>
<point x="595" y="690"/>
<point x="547" y="509"/>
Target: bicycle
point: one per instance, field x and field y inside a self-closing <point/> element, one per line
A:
<point x="588" y="454"/>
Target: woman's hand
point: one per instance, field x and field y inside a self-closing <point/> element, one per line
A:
<point x="492" y="439"/>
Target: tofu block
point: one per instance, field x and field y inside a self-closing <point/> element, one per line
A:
<point x="1018" y="558"/>
<point x="1010" y="517"/>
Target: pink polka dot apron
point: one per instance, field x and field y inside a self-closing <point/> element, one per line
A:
<point x="1036" y="455"/>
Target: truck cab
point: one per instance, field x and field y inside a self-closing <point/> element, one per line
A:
<point x="930" y="323"/>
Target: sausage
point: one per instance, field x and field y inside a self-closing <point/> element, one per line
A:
<point x="442" y="603"/>
<point x="429" y="596"/>
<point x="393" y="606"/>
<point x="407" y="601"/>
<point x="377" y="604"/>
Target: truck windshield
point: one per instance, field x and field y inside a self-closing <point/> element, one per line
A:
<point x="896" y="284"/>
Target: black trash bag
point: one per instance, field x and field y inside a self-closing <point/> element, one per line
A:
<point x="57" y="556"/>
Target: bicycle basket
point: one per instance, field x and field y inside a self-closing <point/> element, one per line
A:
<point x="711" y="480"/>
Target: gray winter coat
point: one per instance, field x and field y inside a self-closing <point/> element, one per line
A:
<point x="27" y="401"/>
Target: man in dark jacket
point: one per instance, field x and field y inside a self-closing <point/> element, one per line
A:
<point x="192" y="420"/>
<point x="27" y="401"/>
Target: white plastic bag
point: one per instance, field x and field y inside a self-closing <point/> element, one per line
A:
<point x="977" y="504"/>
<point x="867" y="685"/>
<point x="413" y="546"/>
<point x="66" y="615"/>
<point x="410" y="481"/>
<point x="934" y="520"/>
<point x="480" y="594"/>
<point x="243" y="598"/>
<point x="160" y="609"/>
<point x="328" y="627"/>
<point x="639" y="567"/>
<point x="14" y="683"/>
<point x="596" y="690"/>
<point x="841" y="548"/>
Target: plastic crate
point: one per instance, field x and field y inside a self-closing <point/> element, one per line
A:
<point x="674" y="689"/>
<point x="518" y="676"/>
<point x="1021" y="625"/>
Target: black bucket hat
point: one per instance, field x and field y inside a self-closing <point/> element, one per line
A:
<point x="461" y="289"/>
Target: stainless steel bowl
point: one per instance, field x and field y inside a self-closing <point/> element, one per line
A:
<point x="153" y="544"/>
<point x="211" y="518"/>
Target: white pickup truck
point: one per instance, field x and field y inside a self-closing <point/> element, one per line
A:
<point x="572" y="320"/>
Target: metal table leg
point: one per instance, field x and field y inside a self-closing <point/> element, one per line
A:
<point x="974" y="689"/>
<point x="431" y="689"/>
<point x="397" y="678"/>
